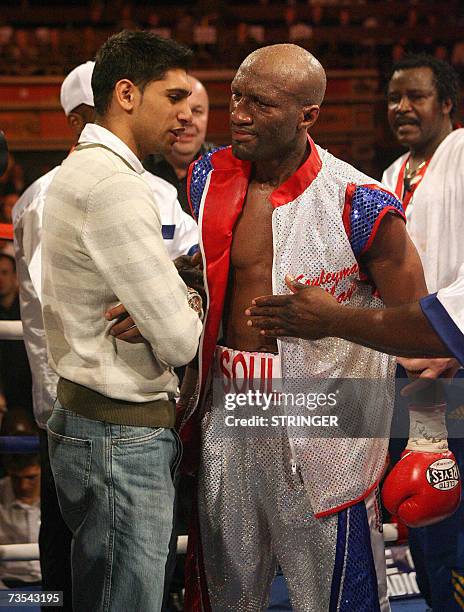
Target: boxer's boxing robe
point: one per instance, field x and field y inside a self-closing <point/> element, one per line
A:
<point x="325" y="217"/>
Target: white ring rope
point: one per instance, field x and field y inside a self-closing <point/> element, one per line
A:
<point x="19" y="552"/>
<point x="30" y="552"/>
<point x="11" y="330"/>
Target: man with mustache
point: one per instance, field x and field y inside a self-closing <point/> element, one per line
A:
<point x="422" y="98"/>
<point x="275" y="203"/>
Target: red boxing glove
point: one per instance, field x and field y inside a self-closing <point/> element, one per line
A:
<point x="423" y="488"/>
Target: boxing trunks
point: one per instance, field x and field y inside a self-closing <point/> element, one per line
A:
<point x="255" y="513"/>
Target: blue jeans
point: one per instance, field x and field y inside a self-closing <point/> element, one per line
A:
<point x="116" y="494"/>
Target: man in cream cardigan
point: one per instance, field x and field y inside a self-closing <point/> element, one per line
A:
<point x="112" y="447"/>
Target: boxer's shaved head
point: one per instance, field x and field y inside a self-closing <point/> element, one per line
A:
<point x="291" y="68"/>
<point x="276" y="95"/>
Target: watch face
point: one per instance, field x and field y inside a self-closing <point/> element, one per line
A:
<point x="195" y="302"/>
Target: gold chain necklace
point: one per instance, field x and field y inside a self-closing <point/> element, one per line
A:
<point x="410" y="176"/>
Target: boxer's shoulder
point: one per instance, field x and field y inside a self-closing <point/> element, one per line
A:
<point x="341" y="171"/>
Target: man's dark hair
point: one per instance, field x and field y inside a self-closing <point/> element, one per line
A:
<point x="10" y="259"/>
<point x="20" y="461"/>
<point x="446" y="79"/>
<point x="139" y="56"/>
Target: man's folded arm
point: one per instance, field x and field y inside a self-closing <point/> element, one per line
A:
<point x="122" y="234"/>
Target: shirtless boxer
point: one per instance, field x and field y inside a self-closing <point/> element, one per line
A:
<point x="277" y="203"/>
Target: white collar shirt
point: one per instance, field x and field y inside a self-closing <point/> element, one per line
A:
<point x="96" y="134"/>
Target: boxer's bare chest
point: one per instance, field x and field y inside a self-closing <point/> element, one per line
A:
<point x="251" y="269"/>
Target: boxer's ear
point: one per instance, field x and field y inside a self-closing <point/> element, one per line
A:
<point x="310" y="113"/>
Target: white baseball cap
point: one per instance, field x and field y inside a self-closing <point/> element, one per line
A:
<point x="77" y="88"/>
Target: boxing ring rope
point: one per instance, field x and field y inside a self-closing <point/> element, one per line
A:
<point x="24" y="445"/>
<point x="19" y="552"/>
<point x="30" y="551"/>
<point x="13" y="330"/>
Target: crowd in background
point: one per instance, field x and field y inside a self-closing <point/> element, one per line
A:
<point x="221" y="39"/>
<point x="38" y="40"/>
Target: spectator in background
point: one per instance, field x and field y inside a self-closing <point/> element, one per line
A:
<point x="318" y="18"/>
<point x="13" y="178"/>
<point x="183" y="29"/>
<point x="345" y="48"/>
<point x="398" y="52"/>
<point x="173" y="167"/>
<point x="441" y="52"/>
<point x="412" y="19"/>
<point x="127" y="20"/>
<point x="15" y="374"/>
<point x="422" y="100"/>
<point x="7" y="203"/>
<point x="19" y="501"/>
<point x="3" y="407"/>
<point x="153" y="25"/>
<point x="297" y="29"/>
<point x="457" y="57"/>
<point x="20" y="517"/>
<point x="18" y="422"/>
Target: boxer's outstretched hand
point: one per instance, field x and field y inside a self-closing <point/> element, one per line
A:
<point x="191" y="272"/>
<point x="308" y="312"/>
<point x="124" y="327"/>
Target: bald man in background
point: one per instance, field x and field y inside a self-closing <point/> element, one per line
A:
<point x="275" y="203"/>
<point x="173" y="167"/>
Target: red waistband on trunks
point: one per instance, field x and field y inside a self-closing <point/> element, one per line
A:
<point x="259" y="368"/>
